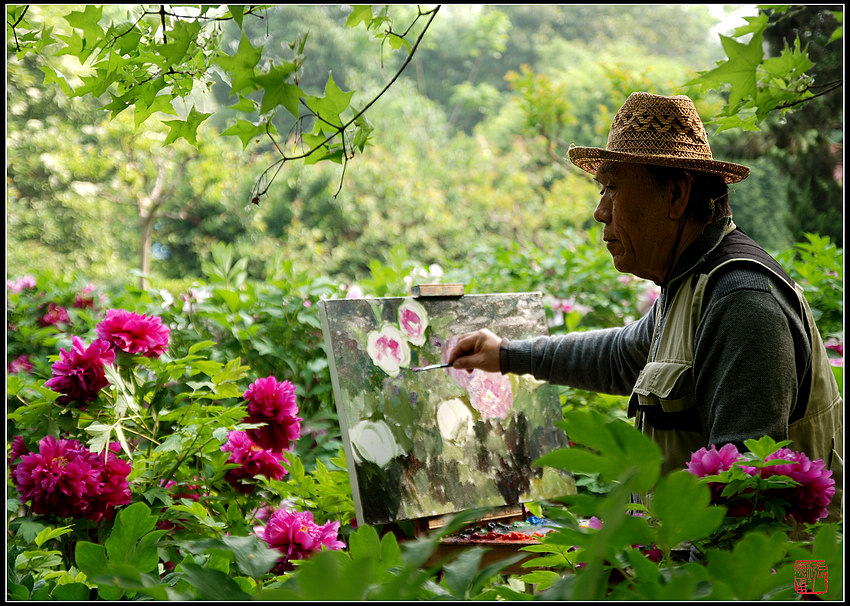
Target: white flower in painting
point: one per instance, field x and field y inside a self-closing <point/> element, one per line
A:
<point x="454" y="420"/>
<point x="388" y="349"/>
<point x="373" y="441"/>
<point x="413" y="320"/>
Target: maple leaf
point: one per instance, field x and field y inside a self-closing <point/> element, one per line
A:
<point x="187" y="129"/>
<point x="241" y="65"/>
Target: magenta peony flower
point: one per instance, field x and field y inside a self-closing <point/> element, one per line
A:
<point x="296" y="535"/>
<point x="817" y="487"/>
<point x="133" y="333"/>
<point x="55" y="314"/>
<point x="20" y="364"/>
<point x="712" y="461"/>
<point x="78" y="374"/>
<point x="67" y="479"/>
<point x="807" y="502"/>
<point x="17" y="450"/>
<point x="273" y="404"/>
<point x="252" y="461"/>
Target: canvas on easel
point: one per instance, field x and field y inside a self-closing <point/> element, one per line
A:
<point x="436" y="442"/>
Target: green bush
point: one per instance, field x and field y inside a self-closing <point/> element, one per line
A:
<point x="170" y="416"/>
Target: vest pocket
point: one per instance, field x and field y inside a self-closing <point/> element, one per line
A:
<point x="669" y="385"/>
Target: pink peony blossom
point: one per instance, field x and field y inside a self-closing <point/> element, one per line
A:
<point x="712" y="461"/>
<point x="133" y="333"/>
<point x="296" y="535"/>
<point x="78" y="374"/>
<point x="20" y="284"/>
<point x="835" y="345"/>
<point x="252" y="460"/>
<point x="55" y="314"/>
<point x="273" y="403"/>
<point x="66" y="479"/>
<point x="20" y="364"/>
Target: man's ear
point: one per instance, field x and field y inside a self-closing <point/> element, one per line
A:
<point x="679" y="192"/>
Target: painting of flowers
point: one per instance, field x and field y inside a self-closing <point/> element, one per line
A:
<point x="422" y="444"/>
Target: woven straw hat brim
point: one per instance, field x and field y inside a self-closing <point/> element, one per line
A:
<point x="590" y="159"/>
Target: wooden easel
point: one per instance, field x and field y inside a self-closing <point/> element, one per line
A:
<point x="497" y="550"/>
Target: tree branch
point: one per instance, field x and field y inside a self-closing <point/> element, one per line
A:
<point x="340" y="130"/>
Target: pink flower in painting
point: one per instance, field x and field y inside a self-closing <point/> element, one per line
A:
<point x="490" y="394"/>
<point x="56" y="314"/>
<point x="296" y="535"/>
<point x="20" y="364"/>
<point x="78" y="374"/>
<point x="413" y="320"/>
<point x="66" y="479"/>
<point x="709" y="462"/>
<point x="252" y="461"/>
<point x="273" y="403"/>
<point x="133" y="333"/>
<point x="388" y="349"/>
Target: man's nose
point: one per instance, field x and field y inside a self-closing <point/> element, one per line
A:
<point x="602" y="212"/>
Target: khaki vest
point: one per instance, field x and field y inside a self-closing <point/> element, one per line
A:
<point x="667" y="381"/>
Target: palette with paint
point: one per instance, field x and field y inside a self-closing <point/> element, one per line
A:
<point x="423" y="444"/>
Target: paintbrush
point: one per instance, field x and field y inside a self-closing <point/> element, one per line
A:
<point x="432" y="367"/>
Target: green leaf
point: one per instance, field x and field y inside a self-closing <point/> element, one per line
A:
<point x="747" y="569"/>
<point x="241" y="65"/>
<point x="680" y="504"/>
<point x="278" y="91"/>
<point x="131" y="523"/>
<point x="87" y="20"/>
<point x="51" y="533"/>
<point x="237" y="12"/>
<point x="90" y="557"/>
<point x="331" y="105"/>
<point x="187" y="129"/>
<point x="71" y="592"/>
<point x="246" y="131"/>
<point x="359" y="14"/>
<point x="738" y="72"/>
<point x="160" y="103"/>
<point x="364" y="543"/>
<point x="212" y="584"/>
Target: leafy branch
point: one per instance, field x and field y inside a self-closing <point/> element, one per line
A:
<point x="262" y="185"/>
<point x="758" y="86"/>
<point x="159" y="56"/>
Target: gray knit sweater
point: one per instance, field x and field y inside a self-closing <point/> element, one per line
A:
<point x="752" y="354"/>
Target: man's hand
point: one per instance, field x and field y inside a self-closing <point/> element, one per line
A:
<point x="479" y="349"/>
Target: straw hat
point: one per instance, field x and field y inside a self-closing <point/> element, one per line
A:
<point x="657" y="130"/>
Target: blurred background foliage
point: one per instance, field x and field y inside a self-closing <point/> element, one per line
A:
<point x="465" y="168"/>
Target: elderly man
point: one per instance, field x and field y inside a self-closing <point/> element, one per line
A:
<point x="729" y="350"/>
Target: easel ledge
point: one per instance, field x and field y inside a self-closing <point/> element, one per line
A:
<point x="496" y="550"/>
